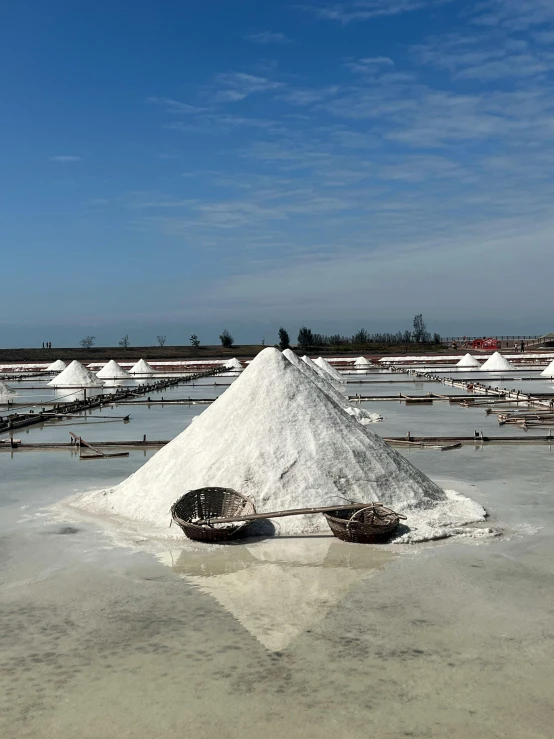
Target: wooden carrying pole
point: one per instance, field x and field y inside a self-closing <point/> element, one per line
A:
<point x="291" y="512"/>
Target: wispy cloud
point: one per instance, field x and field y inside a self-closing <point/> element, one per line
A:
<point x="348" y="11"/>
<point x="235" y="86"/>
<point x="268" y="37"/>
<point x="175" y="106"/>
<point x="64" y="158"/>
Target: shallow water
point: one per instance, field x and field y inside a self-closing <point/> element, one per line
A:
<point x="305" y="637"/>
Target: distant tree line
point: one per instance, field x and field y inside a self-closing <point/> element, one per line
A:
<point x="307" y="339"/>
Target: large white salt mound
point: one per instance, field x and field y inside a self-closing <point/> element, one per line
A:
<point x="497" y="363"/>
<point x="549" y="371"/>
<point x="274" y="436"/>
<point x="326" y="367"/>
<point x="56" y="366"/>
<point x="362" y="415"/>
<point x="468" y="361"/>
<point x="75" y="375"/>
<point x="141" y="368"/>
<point x="233" y="364"/>
<point x="113" y="371"/>
<point x="6" y="390"/>
<point x="362" y="362"/>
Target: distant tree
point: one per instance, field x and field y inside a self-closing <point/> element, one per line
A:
<point x="361" y="337"/>
<point x="437" y="338"/>
<point x="420" y="333"/>
<point x="194" y="340"/>
<point x="305" y="338"/>
<point x="284" y="339"/>
<point x="87" y="342"/>
<point x="161" y="340"/>
<point x="406" y="337"/>
<point x="263" y="340"/>
<point x="124" y="342"/>
<point x="226" y="339"/>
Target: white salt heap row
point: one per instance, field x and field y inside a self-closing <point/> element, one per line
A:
<point x="331" y="371"/>
<point x="549" y="371"/>
<point x="6" y="390"/>
<point x="142" y="368"/>
<point x="56" y="366"/>
<point x="75" y="375"/>
<point x="322" y="373"/>
<point x="113" y="371"/>
<point x="468" y="361"/>
<point x="276" y="437"/>
<point x="362" y="362"/>
<point x="497" y="363"/>
<point x="360" y="414"/>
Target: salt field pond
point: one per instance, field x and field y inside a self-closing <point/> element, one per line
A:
<point x="105" y="633"/>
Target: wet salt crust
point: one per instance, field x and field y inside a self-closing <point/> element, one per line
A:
<point x="277" y="437"/>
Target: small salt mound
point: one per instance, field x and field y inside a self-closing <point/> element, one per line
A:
<point x="274" y="436"/>
<point x="468" y="361"/>
<point x="113" y="371"/>
<point x="141" y="368"/>
<point x="549" y="371"/>
<point x="362" y="415"/>
<point x="56" y="366"/>
<point x="75" y="375"/>
<point x="326" y="367"/>
<point x="362" y="362"/>
<point x="233" y="364"/>
<point x="497" y="363"/>
<point x="6" y="390"/>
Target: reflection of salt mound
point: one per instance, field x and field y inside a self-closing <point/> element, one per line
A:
<point x="277" y="589"/>
<point x="113" y="371"/>
<point x="549" y="371"/>
<point x="56" y="366"/>
<point x="233" y="364"/>
<point x="276" y="604"/>
<point x="331" y="371"/>
<point x="497" y="363"/>
<point x="6" y="390"/>
<point x="75" y="375"/>
<point x="274" y="436"/>
<point x="362" y="362"/>
<point x="360" y="414"/>
<point x="468" y="361"/>
<point x="142" y="368"/>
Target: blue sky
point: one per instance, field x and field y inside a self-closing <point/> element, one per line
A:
<point x="181" y="166"/>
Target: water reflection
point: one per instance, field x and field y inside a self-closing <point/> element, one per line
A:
<point x="279" y="588"/>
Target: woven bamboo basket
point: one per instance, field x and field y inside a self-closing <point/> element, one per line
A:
<point x="372" y="525"/>
<point x="206" y="503"/>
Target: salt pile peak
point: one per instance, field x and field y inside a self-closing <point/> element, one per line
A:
<point x="322" y="373"/>
<point x="75" y="375"/>
<point x="360" y="414"/>
<point x="549" y="371"/>
<point x="113" y="371"/>
<point x="362" y="362"/>
<point x="331" y="371"/>
<point x="497" y="363"/>
<point x="141" y="368"/>
<point x="274" y="436"/>
<point x="233" y="364"/>
<point x="468" y="361"/>
<point x="56" y="366"/>
<point x="6" y="389"/>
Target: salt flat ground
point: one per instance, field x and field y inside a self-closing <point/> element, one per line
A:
<point x="307" y="637"/>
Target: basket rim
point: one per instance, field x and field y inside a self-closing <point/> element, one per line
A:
<point x="228" y="529"/>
